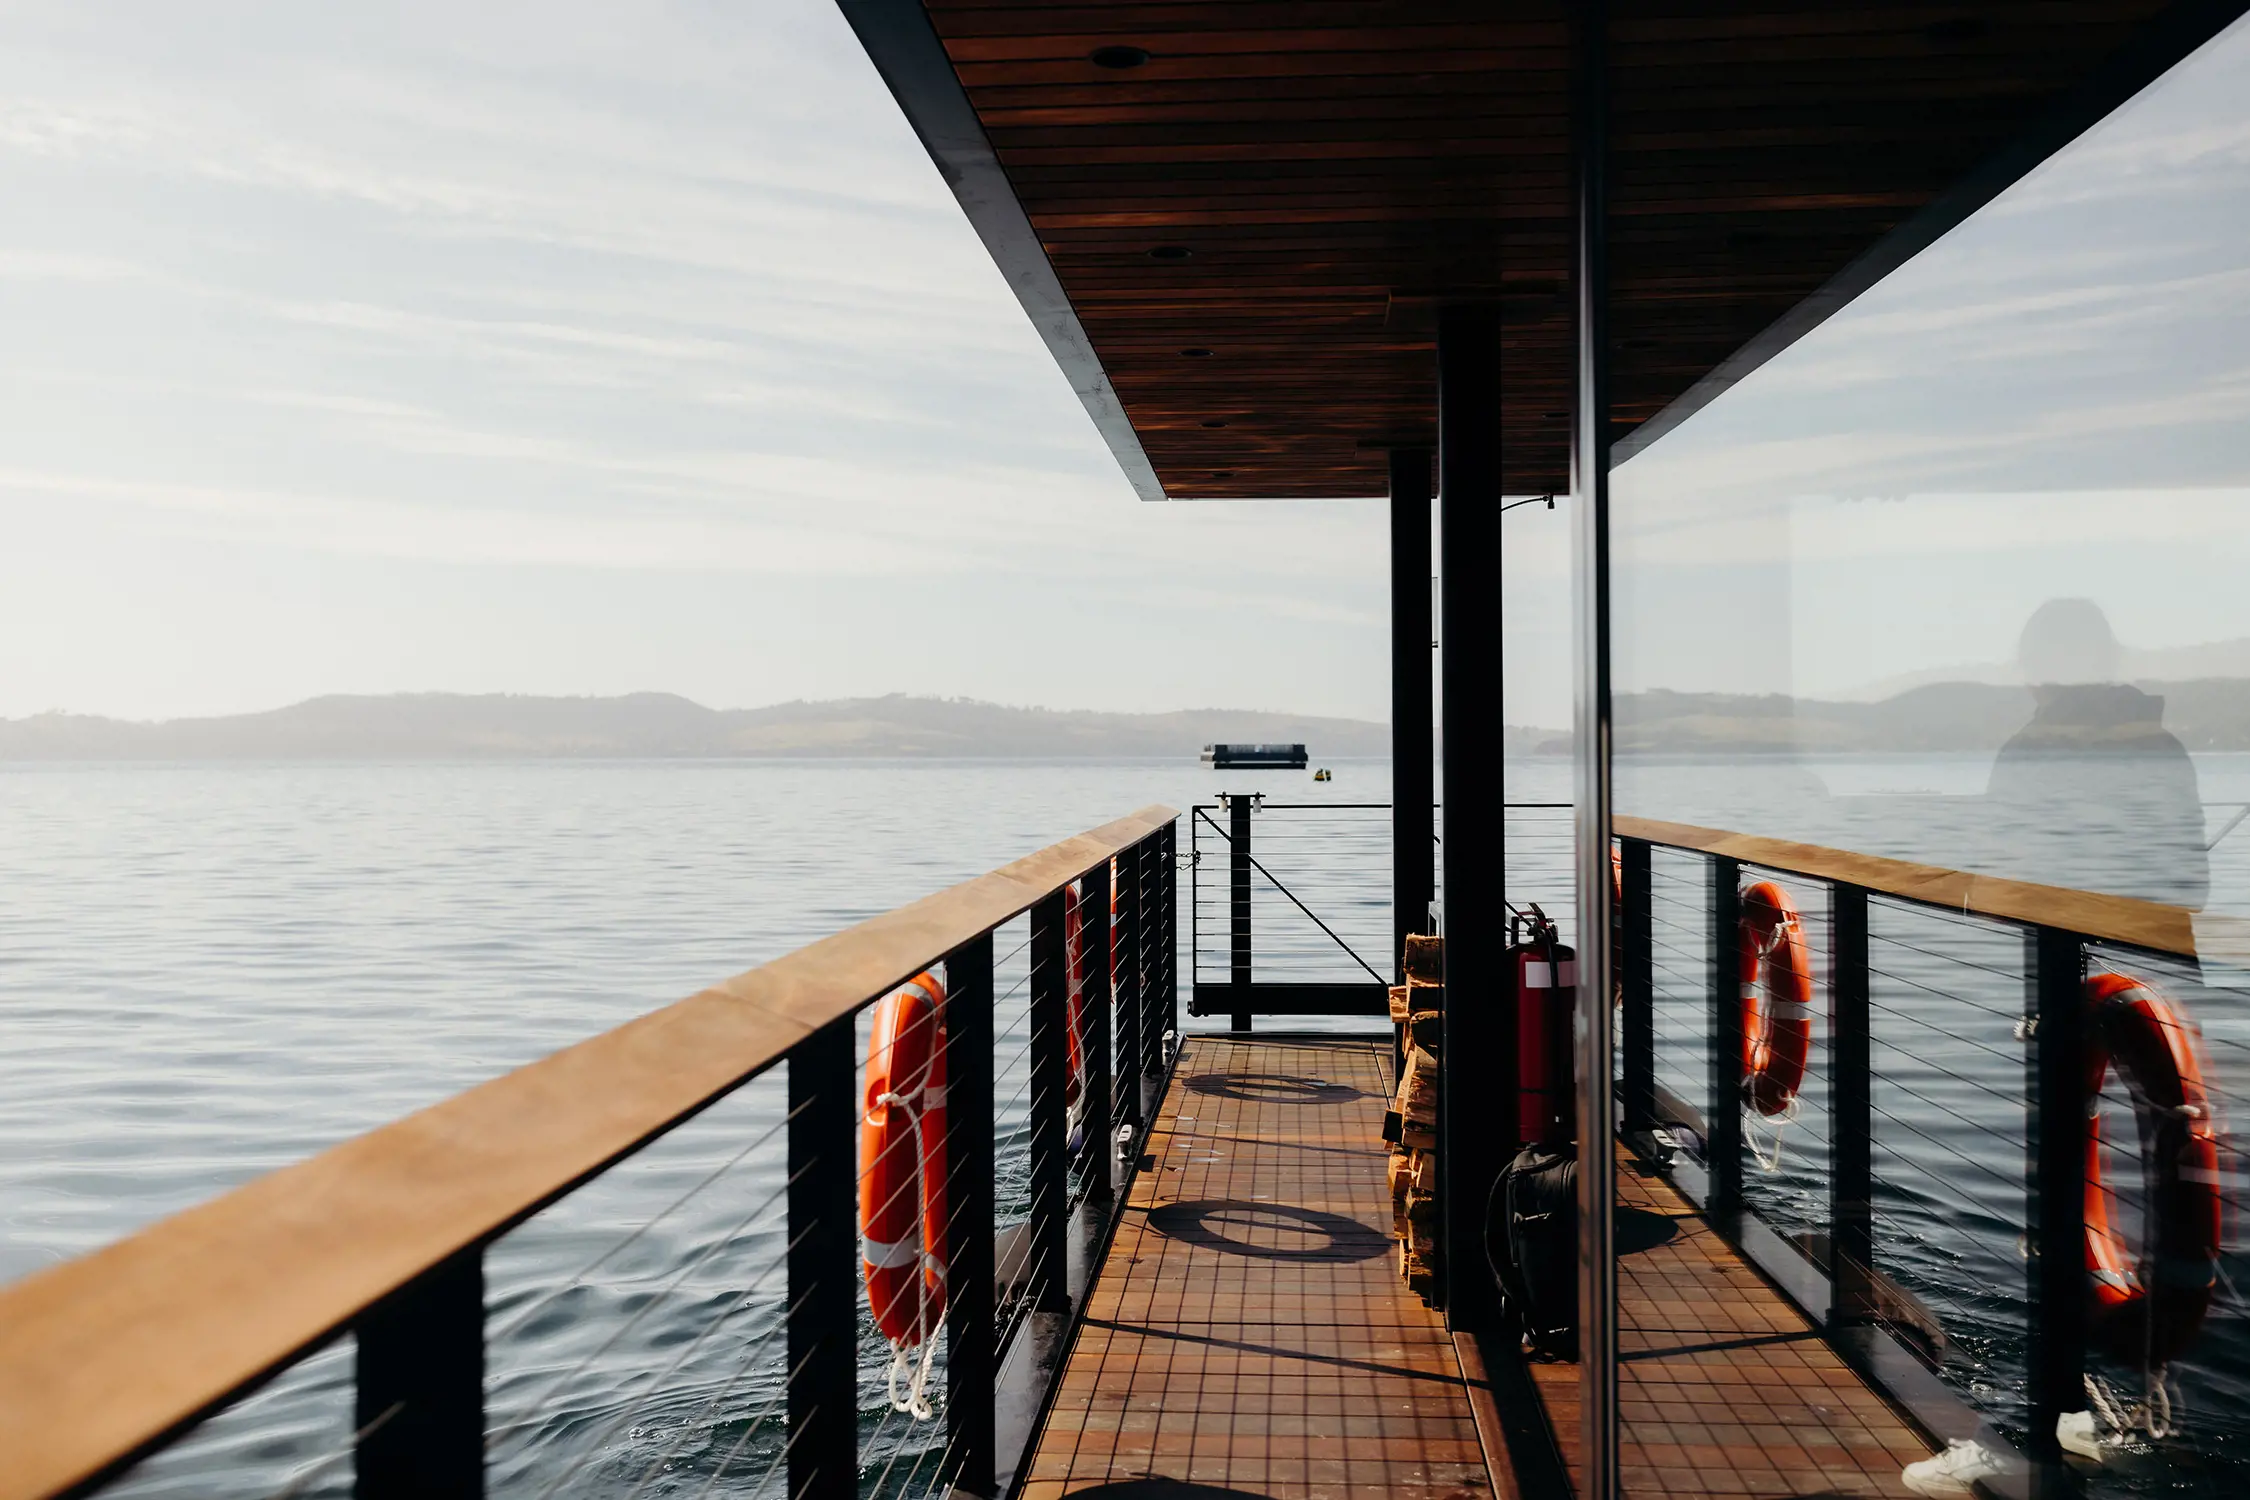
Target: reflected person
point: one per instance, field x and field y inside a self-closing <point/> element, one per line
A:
<point x="2094" y="793"/>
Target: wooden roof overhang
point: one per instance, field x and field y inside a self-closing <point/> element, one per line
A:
<point x="1235" y="245"/>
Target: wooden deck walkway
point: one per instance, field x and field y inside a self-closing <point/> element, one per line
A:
<point x="1249" y="1335"/>
<point x="1724" y="1388"/>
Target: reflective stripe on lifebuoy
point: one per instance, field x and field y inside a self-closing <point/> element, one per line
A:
<point x="902" y="1162"/>
<point x="1777" y="993"/>
<point x="2148" y="1308"/>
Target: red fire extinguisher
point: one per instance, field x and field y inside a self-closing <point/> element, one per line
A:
<point x="1545" y="975"/>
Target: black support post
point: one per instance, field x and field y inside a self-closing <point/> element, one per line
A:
<point x="1047" y="1254"/>
<point x="1477" y="1062"/>
<point x="823" y="1269"/>
<point x="1101" y="1047"/>
<point x="2055" y="1137"/>
<point x="1851" y="1112"/>
<point x="1125" y="981"/>
<point x="1238" y="906"/>
<point x="971" y="1358"/>
<point x="1723" y="1118"/>
<point x="1413" y="753"/>
<point x="420" y="1403"/>
<point x="1636" y="979"/>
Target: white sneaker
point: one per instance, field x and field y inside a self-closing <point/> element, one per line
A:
<point x="1964" y="1462"/>
<point x="2076" y="1431"/>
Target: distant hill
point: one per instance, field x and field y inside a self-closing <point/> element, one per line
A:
<point x="450" y="725"/>
<point x="2211" y="713"/>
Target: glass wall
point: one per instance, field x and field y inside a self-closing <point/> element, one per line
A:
<point x="1963" y="577"/>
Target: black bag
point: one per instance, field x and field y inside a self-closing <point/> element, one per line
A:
<point x="1531" y="1240"/>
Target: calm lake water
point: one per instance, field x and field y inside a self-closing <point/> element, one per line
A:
<point x="210" y="971"/>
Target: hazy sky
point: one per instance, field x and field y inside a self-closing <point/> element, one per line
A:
<point x="567" y="348"/>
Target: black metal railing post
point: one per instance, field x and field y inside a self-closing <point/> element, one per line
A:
<point x="1723" y="1149"/>
<point x="419" y="1409"/>
<point x="1100" y="1109"/>
<point x="1238" y="906"/>
<point x="1047" y="1253"/>
<point x="2055" y="1207"/>
<point x="1171" y="863"/>
<point x="1125" y="983"/>
<point x="1636" y="980"/>
<point x="971" y="1354"/>
<point x="823" y="1267"/>
<point x="1148" y="860"/>
<point x="1851" y="1111"/>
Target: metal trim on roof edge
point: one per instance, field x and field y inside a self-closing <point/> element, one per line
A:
<point x="905" y="49"/>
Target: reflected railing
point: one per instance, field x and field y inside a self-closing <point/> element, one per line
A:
<point x="1986" y="1188"/>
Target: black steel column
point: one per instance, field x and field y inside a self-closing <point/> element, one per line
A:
<point x="420" y="1403"/>
<point x="1100" y="1044"/>
<point x="1723" y="1115"/>
<point x="2055" y="1138"/>
<point x="971" y="1357"/>
<point x="1413" y="751"/>
<point x="1851" y="1111"/>
<point x="1477" y="1061"/>
<point x="1126" y="983"/>
<point x="1238" y="905"/>
<point x="1047" y="1254"/>
<point x="823" y="1267"/>
<point x="1636" y="979"/>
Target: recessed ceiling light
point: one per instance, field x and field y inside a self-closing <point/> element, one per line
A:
<point x="1197" y="353"/>
<point x="1118" y="57"/>
<point x="1170" y="252"/>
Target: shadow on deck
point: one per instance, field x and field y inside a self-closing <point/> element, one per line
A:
<point x="1249" y="1335"/>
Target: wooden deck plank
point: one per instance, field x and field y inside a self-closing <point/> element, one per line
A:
<point x="1249" y="1331"/>
<point x="1724" y="1388"/>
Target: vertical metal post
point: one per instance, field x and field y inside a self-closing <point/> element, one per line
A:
<point x="1125" y="982"/>
<point x="1100" y="1108"/>
<point x="1238" y="905"/>
<point x="1851" y="1110"/>
<point x="2055" y="1139"/>
<point x="1723" y="978"/>
<point x="420" y="1403"/>
<point x="1636" y="982"/>
<point x="1597" y="1120"/>
<point x="1047" y="1254"/>
<point x="1148" y="858"/>
<point x="1413" y="754"/>
<point x="1476" y="1063"/>
<point x="971" y="1355"/>
<point x="1169" y="856"/>
<point x="823" y="1267"/>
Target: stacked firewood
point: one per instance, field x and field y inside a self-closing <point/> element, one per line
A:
<point x="1411" y="1126"/>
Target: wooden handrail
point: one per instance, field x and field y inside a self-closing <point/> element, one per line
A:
<point x="110" y="1354"/>
<point x="2109" y="919"/>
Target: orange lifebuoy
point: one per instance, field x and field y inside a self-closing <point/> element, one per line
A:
<point x="2147" y="1309"/>
<point x="1777" y="994"/>
<point x="902" y="1163"/>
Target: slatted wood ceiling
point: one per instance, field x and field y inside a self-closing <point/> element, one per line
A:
<point x="1333" y="165"/>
